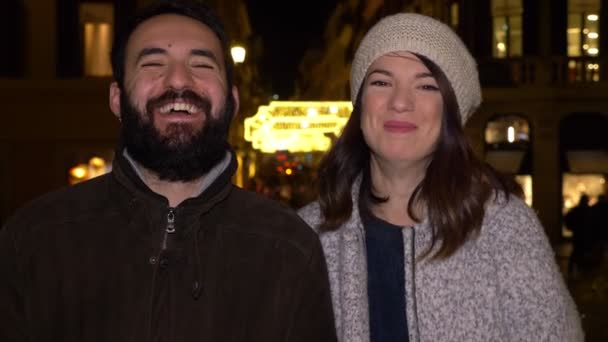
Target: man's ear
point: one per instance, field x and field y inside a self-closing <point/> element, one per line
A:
<point x="235" y="95"/>
<point x="115" y="99"/>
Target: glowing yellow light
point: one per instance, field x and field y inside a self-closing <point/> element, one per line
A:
<point x="593" y="35"/>
<point x="296" y="126"/>
<point x="585" y="46"/>
<point x="501" y="47"/>
<point x="581" y="187"/>
<point x="592" y="17"/>
<point x="97" y="162"/>
<point x="238" y="54"/>
<point x="288" y="172"/>
<point x="511" y="134"/>
<point x="79" y="172"/>
<point x="252" y="170"/>
<point x="593" y="51"/>
<point x="585" y="30"/>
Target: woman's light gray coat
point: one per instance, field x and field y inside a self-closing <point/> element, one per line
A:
<point x="502" y="286"/>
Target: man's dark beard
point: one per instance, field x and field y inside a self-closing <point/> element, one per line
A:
<point x="183" y="153"/>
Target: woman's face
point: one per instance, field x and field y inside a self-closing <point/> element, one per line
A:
<point x="402" y="109"/>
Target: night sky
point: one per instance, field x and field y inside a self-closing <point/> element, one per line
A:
<point x="286" y="34"/>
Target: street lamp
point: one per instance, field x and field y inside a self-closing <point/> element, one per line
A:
<point x="238" y="54"/>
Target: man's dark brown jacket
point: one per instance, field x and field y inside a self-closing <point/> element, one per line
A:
<point x="108" y="260"/>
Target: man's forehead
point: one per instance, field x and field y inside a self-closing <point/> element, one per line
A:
<point x="171" y="29"/>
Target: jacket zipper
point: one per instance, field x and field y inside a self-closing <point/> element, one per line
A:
<point x="170" y="228"/>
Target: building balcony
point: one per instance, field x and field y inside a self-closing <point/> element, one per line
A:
<point x="553" y="71"/>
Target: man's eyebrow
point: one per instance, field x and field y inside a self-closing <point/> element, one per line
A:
<point x="149" y="51"/>
<point x="205" y="53"/>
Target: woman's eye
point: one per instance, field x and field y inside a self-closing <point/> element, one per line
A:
<point x="430" y="87"/>
<point x="379" y="83"/>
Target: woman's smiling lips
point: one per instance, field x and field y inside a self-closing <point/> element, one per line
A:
<point x="395" y="126"/>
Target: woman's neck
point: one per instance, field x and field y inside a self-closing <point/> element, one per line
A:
<point x="397" y="182"/>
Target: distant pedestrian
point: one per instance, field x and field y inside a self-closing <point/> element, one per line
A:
<point x="577" y="221"/>
<point x="598" y="217"/>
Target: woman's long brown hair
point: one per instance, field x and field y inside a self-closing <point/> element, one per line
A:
<point x="454" y="190"/>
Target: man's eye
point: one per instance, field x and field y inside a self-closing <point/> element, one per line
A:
<point x="151" y="64"/>
<point x="203" y="66"/>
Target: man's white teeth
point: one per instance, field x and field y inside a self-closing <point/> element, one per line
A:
<point x="178" y="107"/>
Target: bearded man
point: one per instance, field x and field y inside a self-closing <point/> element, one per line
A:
<point x="164" y="248"/>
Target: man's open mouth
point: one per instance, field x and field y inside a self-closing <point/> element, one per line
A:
<point x="178" y="107"/>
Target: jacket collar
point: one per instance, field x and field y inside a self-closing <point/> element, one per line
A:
<point x="213" y="190"/>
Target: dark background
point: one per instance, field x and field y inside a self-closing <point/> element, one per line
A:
<point x="288" y="28"/>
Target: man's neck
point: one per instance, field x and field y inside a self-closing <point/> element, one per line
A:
<point x="175" y="191"/>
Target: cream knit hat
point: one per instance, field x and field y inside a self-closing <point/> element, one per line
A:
<point x="427" y="37"/>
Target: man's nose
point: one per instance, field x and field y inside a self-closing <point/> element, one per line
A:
<point x="178" y="77"/>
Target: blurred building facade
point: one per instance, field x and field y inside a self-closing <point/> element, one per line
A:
<point x="54" y="77"/>
<point x="544" y="74"/>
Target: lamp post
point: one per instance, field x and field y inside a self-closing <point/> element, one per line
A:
<point x="242" y="79"/>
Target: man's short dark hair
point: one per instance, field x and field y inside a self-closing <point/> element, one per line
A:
<point x="188" y="8"/>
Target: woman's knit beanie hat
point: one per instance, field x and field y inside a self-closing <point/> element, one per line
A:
<point x="427" y="37"/>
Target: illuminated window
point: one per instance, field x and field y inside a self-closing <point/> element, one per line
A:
<point x="507" y="28"/>
<point x="454" y="14"/>
<point x="97" y="20"/>
<point x="583" y="40"/>
<point x="583" y="28"/>
<point x="507" y="129"/>
<point x="525" y="182"/>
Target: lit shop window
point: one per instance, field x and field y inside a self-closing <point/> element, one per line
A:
<point x="96" y="166"/>
<point x="583" y="28"/>
<point x="507" y="145"/>
<point x="97" y="20"/>
<point x="507" y="129"/>
<point x="525" y="182"/>
<point x="575" y="185"/>
<point x="507" y="28"/>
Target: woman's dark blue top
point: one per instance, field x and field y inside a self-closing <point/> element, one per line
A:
<point x="386" y="283"/>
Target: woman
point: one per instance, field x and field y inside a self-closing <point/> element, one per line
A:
<point x="423" y="241"/>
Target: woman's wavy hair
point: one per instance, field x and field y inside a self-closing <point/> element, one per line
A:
<point x="454" y="190"/>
